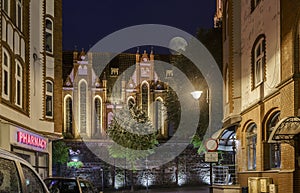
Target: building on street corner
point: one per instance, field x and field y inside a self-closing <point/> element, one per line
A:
<point x="30" y="83"/>
<point x="261" y="93"/>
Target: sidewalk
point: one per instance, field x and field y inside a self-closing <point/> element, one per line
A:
<point x="192" y="189"/>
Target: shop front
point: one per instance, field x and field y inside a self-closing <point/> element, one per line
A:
<point x="31" y="146"/>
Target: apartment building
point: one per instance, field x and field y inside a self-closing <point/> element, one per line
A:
<point x="31" y="83"/>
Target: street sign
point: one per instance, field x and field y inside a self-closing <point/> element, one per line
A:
<point x="211" y="145"/>
<point x="211" y="157"/>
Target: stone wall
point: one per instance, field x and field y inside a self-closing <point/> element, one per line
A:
<point x="186" y="169"/>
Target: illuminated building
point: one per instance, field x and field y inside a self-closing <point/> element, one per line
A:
<point x="30" y="84"/>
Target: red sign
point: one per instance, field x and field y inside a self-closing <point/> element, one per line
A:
<point x="32" y="140"/>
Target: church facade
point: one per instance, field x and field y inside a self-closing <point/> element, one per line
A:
<point x="90" y="99"/>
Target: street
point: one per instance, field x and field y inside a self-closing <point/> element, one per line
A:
<point x="193" y="189"/>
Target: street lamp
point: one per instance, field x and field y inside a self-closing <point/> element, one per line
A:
<point x="196" y="94"/>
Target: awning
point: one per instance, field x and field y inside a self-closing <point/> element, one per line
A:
<point x="225" y="138"/>
<point x="285" y="130"/>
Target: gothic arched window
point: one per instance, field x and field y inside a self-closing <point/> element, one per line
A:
<point x="97" y="115"/>
<point x="159" y="116"/>
<point x="145" y="97"/>
<point x="68" y="115"/>
<point x="130" y="103"/>
<point x="82" y="106"/>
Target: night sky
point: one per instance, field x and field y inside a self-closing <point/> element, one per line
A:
<point x="87" y="22"/>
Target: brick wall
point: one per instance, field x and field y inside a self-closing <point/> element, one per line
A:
<point x="57" y="40"/>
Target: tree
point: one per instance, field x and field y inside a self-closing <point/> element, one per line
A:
<point x="60" y="155"/>
<point x="173" y="109"/>
<point x="212" y="39"/>
<point x="133" y="135"/>
<point x="172" y="103"/>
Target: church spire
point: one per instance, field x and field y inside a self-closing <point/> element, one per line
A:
<point x="151" y="54"/>
<point x="137" y="55"/>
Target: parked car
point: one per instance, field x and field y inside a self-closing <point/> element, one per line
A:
<point x="69" y="185"/>
<point x="17" y="175"/>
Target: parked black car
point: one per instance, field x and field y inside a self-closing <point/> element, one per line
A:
<point x="17" y="175"/>
<point x="69" y="185"/>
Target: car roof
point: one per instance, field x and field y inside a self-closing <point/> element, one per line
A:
<point x="64" y="178"/>
<point x="10" y="155"/>
<point x="14" y="157"/>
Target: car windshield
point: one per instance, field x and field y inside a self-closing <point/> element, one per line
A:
<point x="62" y="185"/>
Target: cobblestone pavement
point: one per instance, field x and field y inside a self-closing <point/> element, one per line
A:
<point x="193" y="189"/>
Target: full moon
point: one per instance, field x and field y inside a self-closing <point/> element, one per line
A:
<point x="177" y="45"/>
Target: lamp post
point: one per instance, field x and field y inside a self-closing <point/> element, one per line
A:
<point x="102" y="180"/>
<point x="196" y="95"/>
<point x="147" y="175"/>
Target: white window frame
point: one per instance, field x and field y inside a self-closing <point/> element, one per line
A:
<point x="49" y="94"/>
<point x="50" y="32"/>
<point x="259" y="54"/>
<point x="8" y="6"/>
<point x="6" y="68"/>
<point x="98" y="115"/>
<point x="159" y="118"/>
<point x="251" y="140"/>
<point x="19" y="84"/>
<point x="19" y="24"/>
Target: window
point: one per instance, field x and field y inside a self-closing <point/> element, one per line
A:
<point x="97" y="117"/>
<point x="49" y="99"/>
<point x="19" y="14"/>
<point x="159" y="116"/>
<point x="274" y="148"/>
<point x="49" y="36"/>
<point x="82" y="110"/>
<point x="258" y="61"/>
<point x="110" y="117"/>
<point x="5" y="6"/>
<point x="114" y="72"/>
<point x="227" y="19"/>
<point x="33" y="183"/>
<point x="9" y="179"/>
<point x="19" y="84"/>
<point x="254" y="4"/>
<point x="130" y="103"/>
<point x="251" y="138"/>
<point x="145" y="98"/>
<point x="5" y="75"/>
<point x="68" y="115"/>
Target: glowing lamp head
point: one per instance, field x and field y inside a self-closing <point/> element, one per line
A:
<point x="196" y="94"/>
